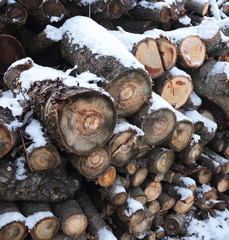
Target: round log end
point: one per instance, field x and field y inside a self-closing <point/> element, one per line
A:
<point x="181" y="207"/>
<point x="192" y="51"/>
<point x="138" y="178"/>
<point x="120" y="198"/>
<point x="177" y="90"/>
<point x="6" y="140"/>
<point x="153" y="191"/>
<point x="107" y="179"/>
<point x="13" y="231"/>
<point x="53" y="9"/>
<point x="16" y="13"/>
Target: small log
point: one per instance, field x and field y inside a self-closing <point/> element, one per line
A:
<point x="199" y="7"/>
<point x="166" y="202"/>
<point x="12" y="222"/>
<point x="2" y="3"/>
<point x="203" y="176"/>
<point x="185" y="182"/>
<point x="160" y="232"/>
<point x="73" y="221"/>
<point x="184" y="170"/>
<point x="93" y="165"/>
<point x="214" y="166"/>
<point x="160" y="160"/>
<point x="157" y="120"/>
<point x="221" y="160"/>
<point x="190" y="154"/>
<point x="140" y="175"/>
<point x="41" y="222"/>
<point x="181" y="207"/>
<point x="141" y="229"/>
<point x="60" y="236"/>
<point x="130" y="96"/>
<point x="138" y="194"/>
<point x="157" y="177"/>
<point x="107" y="178"/>
<point x="123" y="146"/>
<point x="224" y="197"/>
<point x="175" y="88"/>
<point x="131" y="167"/>
<point x="158" y="221"/>
<point x="154" y="206"/>
<point x="207" y="114"/>
<point x="144" y="49"/>
<point x="225" y="8"/>
<point x="217" y="143"/>
<point x="96" y="225"/>
<point x="226" y="149"/>
<point x="10" y="50"/>
<point x="174" y="223"/>
<point x="220" y="182"/>
<point x="152" y="190"/>
<point x="153" y="11"/>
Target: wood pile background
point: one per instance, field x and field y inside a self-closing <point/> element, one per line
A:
<point x="119" y="134"/>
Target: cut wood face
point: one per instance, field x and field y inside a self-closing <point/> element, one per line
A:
<point x="205" y="175"/>
<point x="53" y="8"/>
<point x="6" y="140"/>
<point x="192" y="51"/>
<point x="159" y="126"/>
<point x="130" y="91"/>
<point x="87" y="122"/>
<point x="13" y="231"/>
<point x="172" y="227"/>
<point x="153" y="190"/>
<point x="138" y="178"/>
<point x="107" y="179"/>
<point x="177" y="90"/>
<point x="120" y="198"/>
<point x="182" y="207"/>
<point x="164" y="163"/>
<point x="16" y="13"/>
<point x="195" y="153"/>
<point x="147" y="54"/>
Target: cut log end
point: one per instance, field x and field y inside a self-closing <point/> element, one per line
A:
<point x="147" y="53"/>
<point x="107" y="179"/>
<point x="182" y="207"/>
<point x="16" y="13"/>
<point x="13" y="231"/>
<point x="159" y="126"/>
<point x="87" y="122"/>
<point x="46" y="229"/>
<point x="177" y="90"/>
<point x="192" y="51"/>
<point x="6" y="140"/>
<point x="138" y="178"/>
<point x="131" y="91"/>
<point x="120" y="198"/>
<point x="153" y="191"/>
<point x="74" y="225"/>
<point x="53" y="9"/>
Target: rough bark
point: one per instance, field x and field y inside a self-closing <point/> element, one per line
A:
<point x="203" y="176"/>
<point x="174" y="223"/>
<point x="215" y="167"/>
<point x="62" y="236"/>
<point x="199" y="7"/>
<point x="73" y="221"/>
<point x="166" y="201"/>
<point x="217" y="143"/>
<point x="138" y="194"/>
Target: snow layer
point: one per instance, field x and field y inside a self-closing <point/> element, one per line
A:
<point x="188" y="181"/>
<point x="133" y="206"/>
<point x="10" y="217"/>
<point x="53" y="33"/>
<point x="124" y="126"/>
<point x="32" y="220"/>
<point x="34" y="129"/>
<point x="219" y="68"/>
<point x="185" y="20"/>
<point x="119" y="189"/>
<point x="184" y="192"/>
<point x="195" y="99"/>
<point x="195" y="139"/>
<point x="20" y="171"/>
<point x="105" y="234"/>
<point x="154" y="5"/>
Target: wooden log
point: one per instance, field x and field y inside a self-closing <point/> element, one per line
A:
<point x="160" y="160"/>
<point x="203" y="176"/>
<point x="217" y="143"/>
<point x="204" y="196"/>
<point x="199" y="7"/>
<point x="154" y="206"/>
<point x="107" y="178"/>
<point x="93" y="165"/>
<point x="215" y="167"/>
<point x="157" y="120"/>
<point x="221" y="160"/>
<point x="175" y="87"/>
<point x="184" y="170"/>
<point x="10" y="50"/>
<point x="141" y="229"/>
<point x="96" y="225"/>
<point x="123" y="146"/>
<point x="210" y="81"/>
<point x="41" y="222"/>
<point x="12" y="222"/>
<point x="185" y="182"/>
<point x="73" y="221"/>
<point x="152" y="190"/>
<point x="131" y="167"/>
<point x="144" y="49"/>
<point x="60" y="236"/>
<point x="190" y="154"/>
<point x="19" y="183"/>
<point x="140" y="175"/>
<point x="226" y="149"/>
<point x="31" y="4"/>
<point x="138" y="194"/>
<point x="135" y="89"/>
<point x="166" y="202"/>
<point x="174" y="223"/>
<point x="207" y="114"/>
<point x="220" y="182"/>
<point x="2" y="3"/>
<point x="158" y="221"/>
<point x="181" y="207"/>
<point x="153" y="11"/>
<point x="80" y="126"/>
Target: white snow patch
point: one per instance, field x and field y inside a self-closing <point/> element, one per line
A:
<point x="195" y="99"/>
<point x="184" y="192"/>
<point x="214" y="9"/>
<point x="188" y="181"/>
<point x="104" y="233"/>
<point x="11" y="1"/>
<point x="154" y="5"/>
<point x="220" y="67"/>
<point x="88" y="2"/>
<point x="195" y="139"/>
<point x="56" y="18"/>
<point x="119" y="189"/>
<point x="33" y="219"/>
<point x="14" y="125"/>
<point x="53" y="33"/>
<point x="133" y="206"/>
<point x="124" y="126"/>
<point x="34" y="129"/>
<point x="20" y="62"/>
<point x="204" y="188"/>
<point x="20" y="171"/>
<point x="212" y="27"/>
<point x="185" y="20"/>
<point x="10" y="217"/>
<point x="216" y="164"/>
<point x="178" y="72"/>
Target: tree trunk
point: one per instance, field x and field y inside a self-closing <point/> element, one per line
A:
<point x="128" y="84"/>
<point x="80" y="120"/>
<point x="157" y="120"/>
<point x="19" y="183"/>
<point x="73" y="221"/>
<point x="41" y="222"/>
<point x="14" y="222"/>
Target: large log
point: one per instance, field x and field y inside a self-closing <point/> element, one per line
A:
<point x="19" y="183"/>
<point x="81" y="120"/>
<point x="127" y="82"/>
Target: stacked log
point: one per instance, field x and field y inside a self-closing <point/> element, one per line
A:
<point x="113" y="140"/>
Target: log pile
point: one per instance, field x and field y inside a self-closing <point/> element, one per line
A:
<point x="113" y="117"/>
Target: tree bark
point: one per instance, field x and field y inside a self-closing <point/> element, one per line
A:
<point x="73" y="221"/>
<point x="220" y="182"/>
<point x="199" y="7"/>
<point x="174" y="223"/>
<point x="166" y="201"/>
<point x="203" y="176"/>
<point x="138" y="194"/>
<point x="129" y="86"/>
<point x="62" y="236"/>
<point x="215" y="167"/>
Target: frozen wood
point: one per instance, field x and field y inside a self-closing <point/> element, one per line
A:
<point x="116" y="66"/>
<point x="140" y="229"/>
<point x="174" y="223"/>
<point x="41" y="222"/>
<point x="193" y="102"/>
<point x="157" y="120"/>
<point x="160" y="160"/>
<point x="215" y="167"/>
<point x="199" y="7"/>
<point x="73" y="221"/>
<point x="185" y="182"/>
<point x="12" y="222"/>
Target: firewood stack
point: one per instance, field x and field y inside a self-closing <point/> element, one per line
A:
<point x="113" y="117"/>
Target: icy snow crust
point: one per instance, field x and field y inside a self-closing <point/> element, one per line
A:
<point x="10" y="217"/>
<point x="133" y="206"/>
<point x="32" y="220"/>
<point x="124" y="126"/>
<point x="103" y="234"/>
